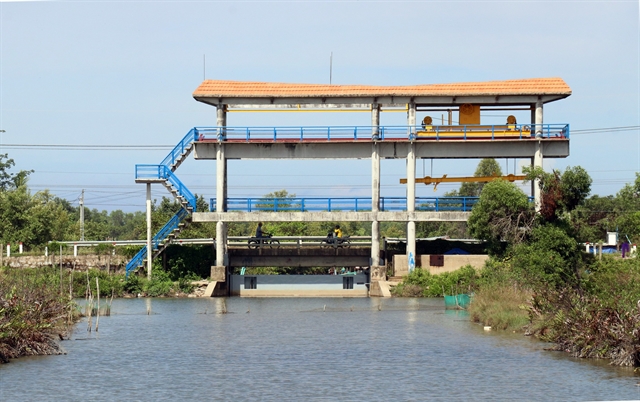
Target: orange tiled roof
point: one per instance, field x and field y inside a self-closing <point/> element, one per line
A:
<point x="242" y="89"/>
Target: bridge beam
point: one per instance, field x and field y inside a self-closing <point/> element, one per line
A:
<point x="442" y="149"/>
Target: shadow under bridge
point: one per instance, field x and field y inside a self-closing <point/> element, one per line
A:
<point x="299" y="251"/>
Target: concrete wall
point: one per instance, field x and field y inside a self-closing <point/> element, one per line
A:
<point x="300" y="286"/>
<point x="81" y="261"/>
<point x="451" y="263"/>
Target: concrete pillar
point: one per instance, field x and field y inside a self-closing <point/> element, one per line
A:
<point x="539" y="120"/>
<point x="537" y="157"/>
<point x="411" y="120"/>
<point x="149" y="246"/>
<point x="375" y="121"/>
<point x="220" y="243"/>
<point x="221" y="179"/>
<point x="375" y="205"/>
<point x="218" y="272"/>
<point x="411" y="205"/>
<point x="221" y="121"/>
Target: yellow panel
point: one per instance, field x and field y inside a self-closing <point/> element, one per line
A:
<point x="469" y="114"/>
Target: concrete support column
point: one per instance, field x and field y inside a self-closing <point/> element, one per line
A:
<point x="411" y="205"/>
<point x="537" y="157"/>
<point x="221" y="179"/>
<point x="218" y="271"/>
<point x="411" y="120"/>
<point x="221" y="121"/>
<point x="221" y="229"/>
<point x="375" y="205"/>
<point x="375" y="121"/>
<point x="149" y="245"/>
<point x="539" y="120"/>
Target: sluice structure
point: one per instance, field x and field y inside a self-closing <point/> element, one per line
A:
<point x="423" y="138"/>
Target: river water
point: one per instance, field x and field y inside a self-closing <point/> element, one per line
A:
<point x="304" y="349"/>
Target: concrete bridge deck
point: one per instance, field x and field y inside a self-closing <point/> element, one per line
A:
<point x="299" y="257"/>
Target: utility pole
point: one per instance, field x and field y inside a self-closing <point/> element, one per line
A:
<point x="82" y="216"/>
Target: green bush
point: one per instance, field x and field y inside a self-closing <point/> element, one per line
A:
<point x="134" y="284"/>
<point x="159" y="285"/>
<point x="460" y="281"/>
<point x="551" y="258"/>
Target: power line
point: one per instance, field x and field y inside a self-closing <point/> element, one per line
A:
<point x="131" y="147"/>
<point x="87" y="147"/>
<point x="604" y="130"/>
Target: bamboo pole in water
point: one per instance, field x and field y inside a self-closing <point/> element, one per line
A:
<point x="98" y="294"/>
<point x="89" y="303"/>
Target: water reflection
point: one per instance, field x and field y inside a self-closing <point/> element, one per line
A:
<point x="294" y="349"/>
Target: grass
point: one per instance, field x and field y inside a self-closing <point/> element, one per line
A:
<point x="34" y="315"/>
<point x="501" y="306"/>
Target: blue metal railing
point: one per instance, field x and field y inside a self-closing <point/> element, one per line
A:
<point x="162" y="234"/>
<point x="436" y="204"/>
<point x="169" y="227"/>
<point x="179" y="149"/>
<point x="364" y="133"/>
<point x="163" y="172"/>
<point x="136" y="261"/>
<point x="519" y="131"/>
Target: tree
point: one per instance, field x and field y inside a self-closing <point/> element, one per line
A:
<point x="560" y="193"/>
<point x="486" y="167"/>
<point x="11" y="180"/>
<point x="503" y="213"/>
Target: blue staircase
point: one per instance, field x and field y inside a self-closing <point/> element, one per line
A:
<point x="164" y="173"/>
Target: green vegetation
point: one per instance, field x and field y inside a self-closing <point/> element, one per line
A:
<point x="34" y="315"/>
<point x="585" y="306"/>
<point x="421" y="283"/>
<point x="542" y="282"/>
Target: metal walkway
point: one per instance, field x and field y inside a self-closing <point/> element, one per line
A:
<point x="343" y="204"/>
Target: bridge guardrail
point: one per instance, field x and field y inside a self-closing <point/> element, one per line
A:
<point x="344" y="204"/>
<point x="381" y="133"/>
<point x="180" y="148"/>
<point x="296" y="241"/>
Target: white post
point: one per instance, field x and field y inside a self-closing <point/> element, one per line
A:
<point x="9" y="250"/>
<point x="221" y="189"/>
<point x="46" y="251"/>
<point x="411" y="206"/>
<point x="20" y="248"/>
<point x="221" y="121"/>
<point x="375" y="205"/>
<point x="375" y="121"/>
<point x="220" y="246"/>
<point x="411" y="120"/>
<point x="75" y="250"/>
<point x="149" y="238"/>
<point x="537" y="158"/>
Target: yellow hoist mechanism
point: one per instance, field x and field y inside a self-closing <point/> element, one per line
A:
<point x="472" y="179"/>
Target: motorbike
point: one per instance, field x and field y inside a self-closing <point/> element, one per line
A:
<point x="332" y="241"/>
<point x="266" y="239"/>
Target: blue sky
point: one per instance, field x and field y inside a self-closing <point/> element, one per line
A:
<point x="122" y="73"/>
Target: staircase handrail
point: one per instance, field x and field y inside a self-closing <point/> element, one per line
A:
<point x="178" y="150"/>
<point x="169" y="227"/>
<point x="180" y="187"/>
<point x="137" y="260"/>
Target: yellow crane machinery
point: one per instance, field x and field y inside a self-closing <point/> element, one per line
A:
<point x="468" y="179"/>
